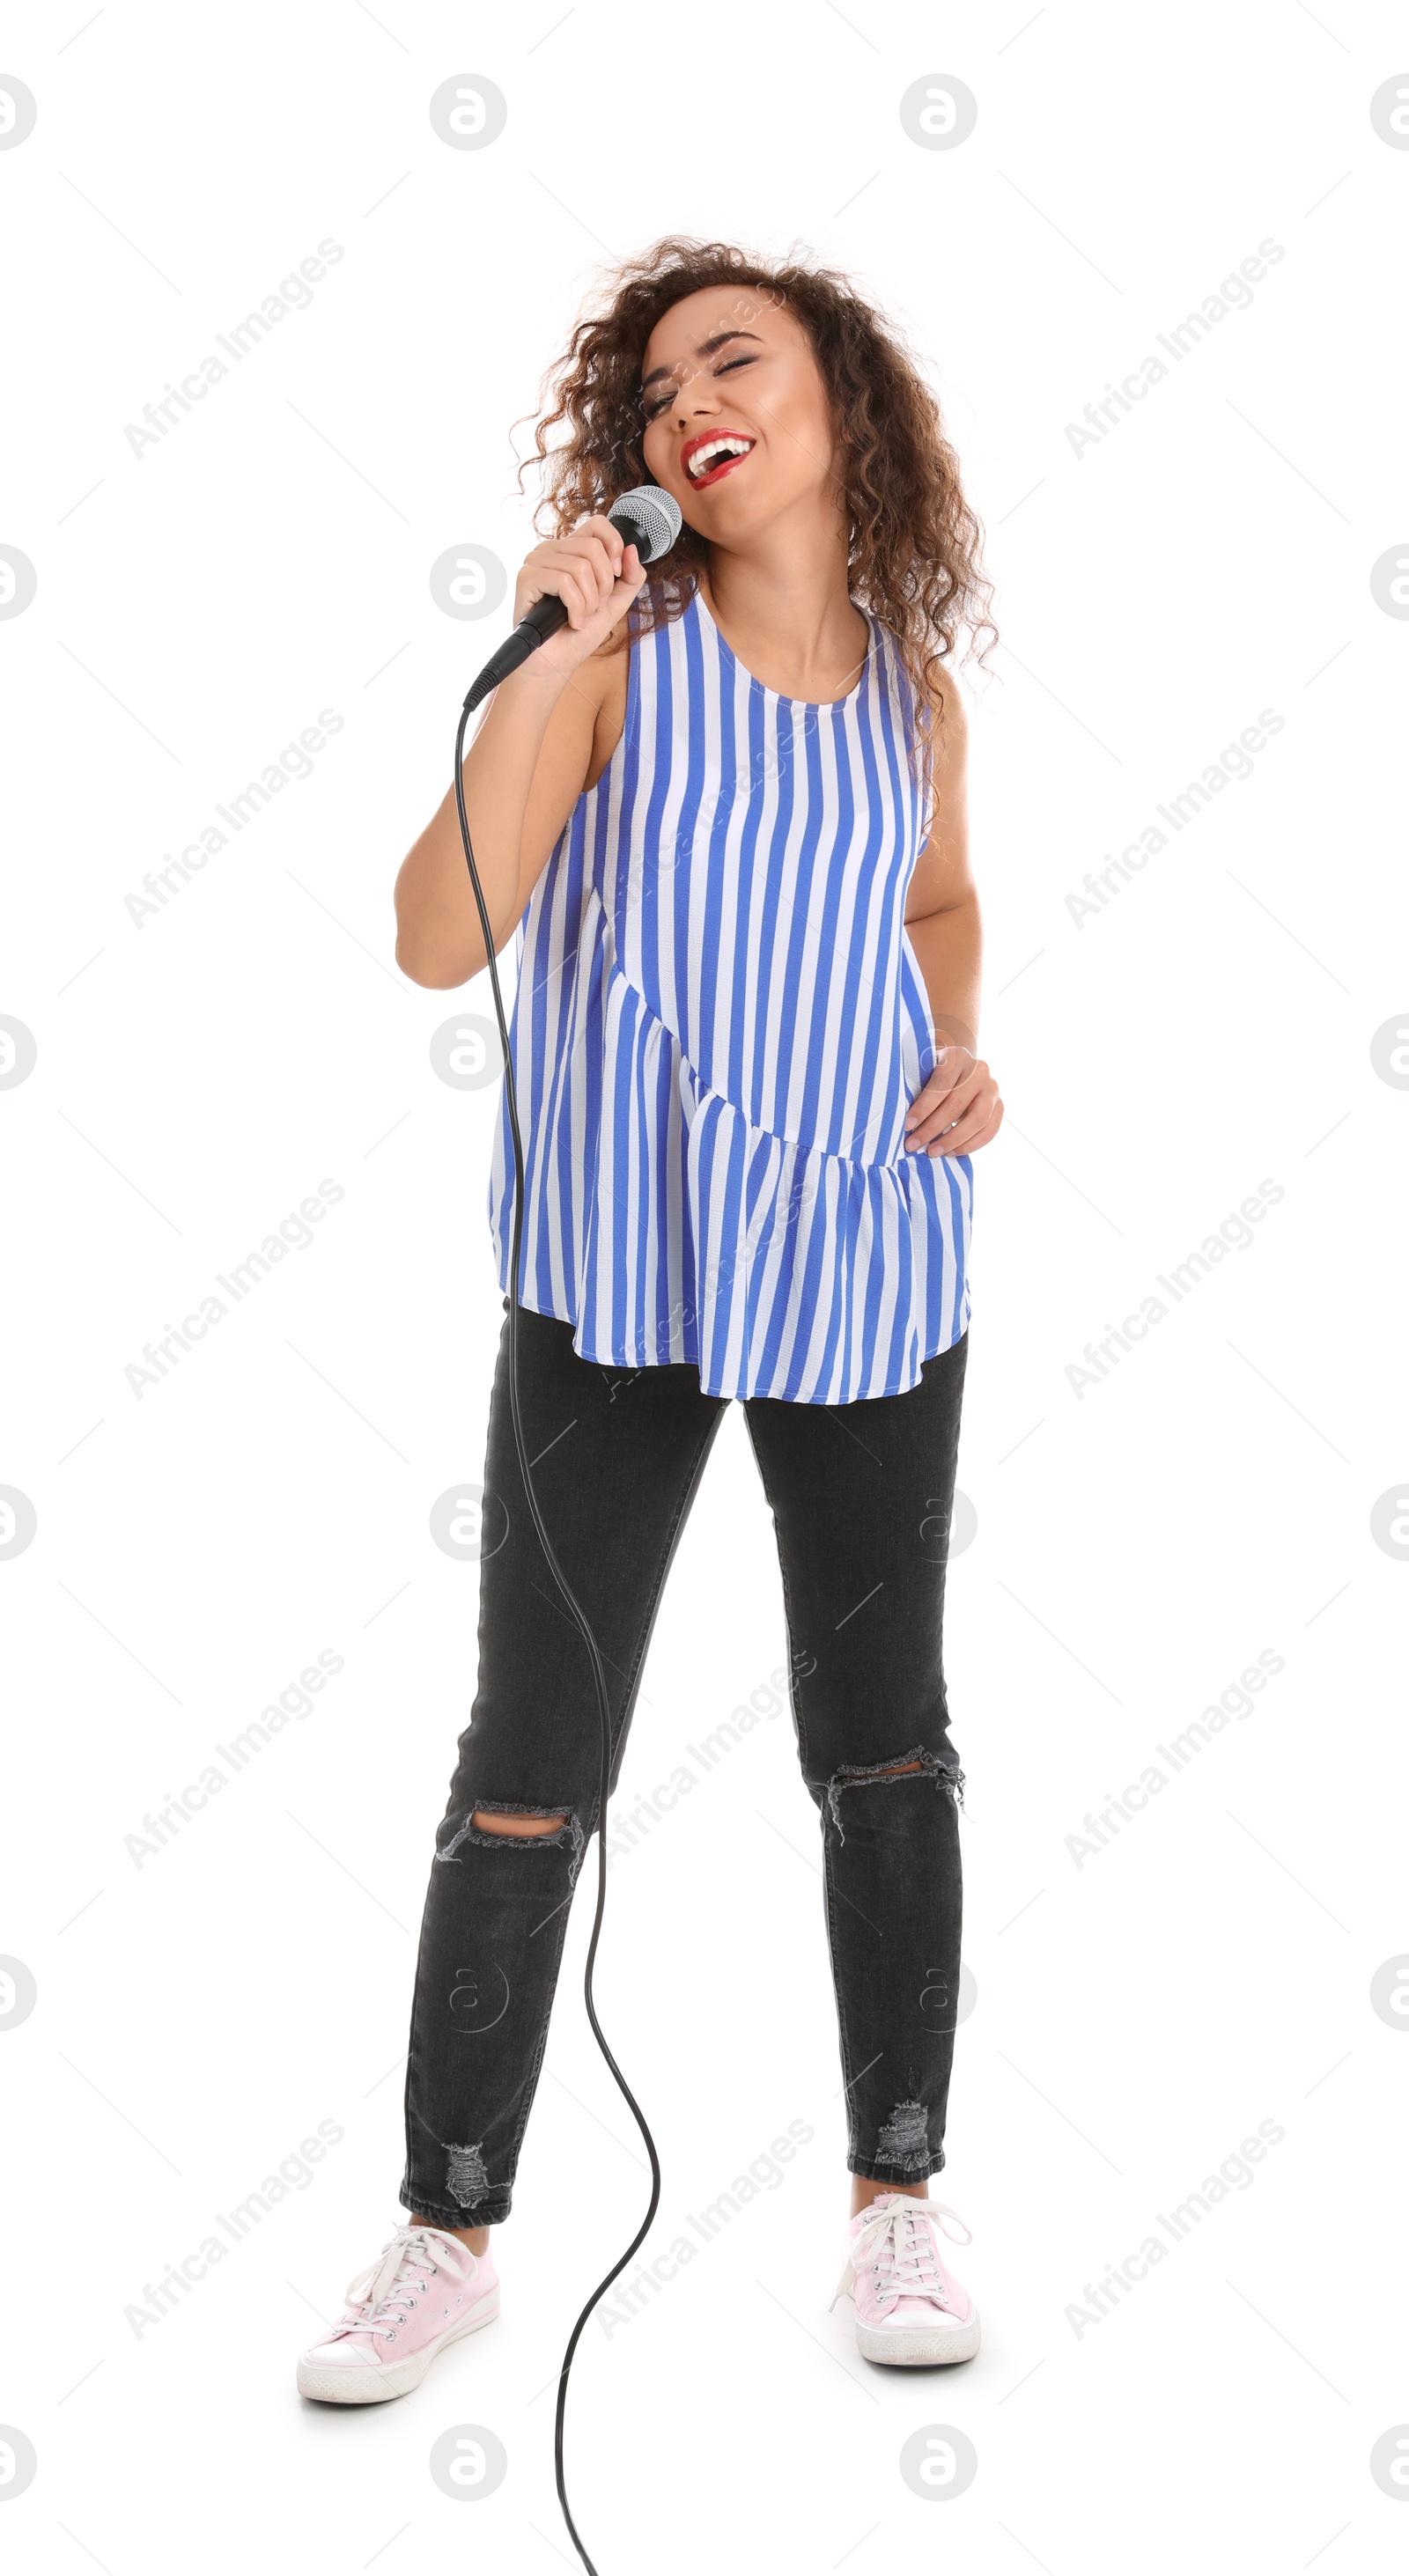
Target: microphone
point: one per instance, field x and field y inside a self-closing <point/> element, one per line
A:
<point x="647" y="519"/>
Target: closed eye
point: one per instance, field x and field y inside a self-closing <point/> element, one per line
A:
<point x="654" y="404"/>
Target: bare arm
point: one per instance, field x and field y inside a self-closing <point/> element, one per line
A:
<point x="941" y="902"/>
<point x="525" y="768"/>
<point x="958" y="1109"/>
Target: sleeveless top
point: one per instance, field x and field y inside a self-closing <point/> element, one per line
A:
<point x="719" y="1026"/>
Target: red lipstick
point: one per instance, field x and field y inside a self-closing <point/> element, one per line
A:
<point x="714" y="473"/>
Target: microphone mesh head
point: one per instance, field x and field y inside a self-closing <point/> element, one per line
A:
<point x="652" y="517"/>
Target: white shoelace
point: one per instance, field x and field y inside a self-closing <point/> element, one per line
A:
<point x="897" y="2241"/>
<point x="380" y="2299"/>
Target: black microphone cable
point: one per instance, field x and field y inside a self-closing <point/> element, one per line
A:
<point x="655" y="498"/>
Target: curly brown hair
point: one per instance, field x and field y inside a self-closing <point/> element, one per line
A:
<point x="914" y="543"/>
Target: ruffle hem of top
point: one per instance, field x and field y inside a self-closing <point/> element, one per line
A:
<point x="739" y="1191"/>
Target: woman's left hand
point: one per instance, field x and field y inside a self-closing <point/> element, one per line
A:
<point x="959" y="1108"/>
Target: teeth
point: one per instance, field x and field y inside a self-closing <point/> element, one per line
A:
<point x="709" y="455"/>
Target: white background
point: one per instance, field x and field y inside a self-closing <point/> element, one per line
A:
<point x="1138" y="1543"/>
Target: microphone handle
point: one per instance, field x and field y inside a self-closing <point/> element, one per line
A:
<point x="543" y="620"/>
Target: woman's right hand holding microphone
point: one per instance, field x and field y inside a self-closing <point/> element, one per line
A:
<point x="595" y="576"/>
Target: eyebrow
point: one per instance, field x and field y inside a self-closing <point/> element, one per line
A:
<point x="704" y="349"/>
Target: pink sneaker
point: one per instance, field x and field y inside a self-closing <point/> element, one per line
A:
<point x="426" y="2291"/>
<point x="909" y="2307"/>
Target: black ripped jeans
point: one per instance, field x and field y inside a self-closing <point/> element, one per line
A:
<point x="861" y="1496"/>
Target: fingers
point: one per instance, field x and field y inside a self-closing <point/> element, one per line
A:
<point x="572" y="590"/>
<point x="626" y="572"/>
<point x="585" y="570"/>
<point x="955" y="1120"/>
<point x="954" y="1067"/>
<point x="923" y="1109"/>
<point x="978" y="1126"/>
<point x="588" y="569"/>
<point x="963" y="1143"/>
<point x="600" y="529"/>
<point x="604" y="605"/>
<point x="949" y="1089"/>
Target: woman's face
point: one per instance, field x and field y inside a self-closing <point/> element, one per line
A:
<point x="730" y="385"/>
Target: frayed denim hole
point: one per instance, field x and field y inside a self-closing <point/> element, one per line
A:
<point x="569" y="1834"/>
<point x="856" y="1775"/>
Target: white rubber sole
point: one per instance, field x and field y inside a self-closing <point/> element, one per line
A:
<point x="351" y="2383"/>
<point x="917" y="2346"/>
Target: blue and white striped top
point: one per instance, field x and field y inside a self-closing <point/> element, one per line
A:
<point x="719" y="1025"/>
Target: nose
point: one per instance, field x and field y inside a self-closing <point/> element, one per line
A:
<point x="695" y="398"/>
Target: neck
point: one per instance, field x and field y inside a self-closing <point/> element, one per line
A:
<point x="785" y="608"/>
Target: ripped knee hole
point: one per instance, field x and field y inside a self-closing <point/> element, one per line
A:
<point x="946" y="1774"/>
<point x="486" y="1822"/>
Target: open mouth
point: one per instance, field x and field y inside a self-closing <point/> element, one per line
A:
<point x="708" y="459"/>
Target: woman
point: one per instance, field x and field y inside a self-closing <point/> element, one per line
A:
<point x="725" y="810"/>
